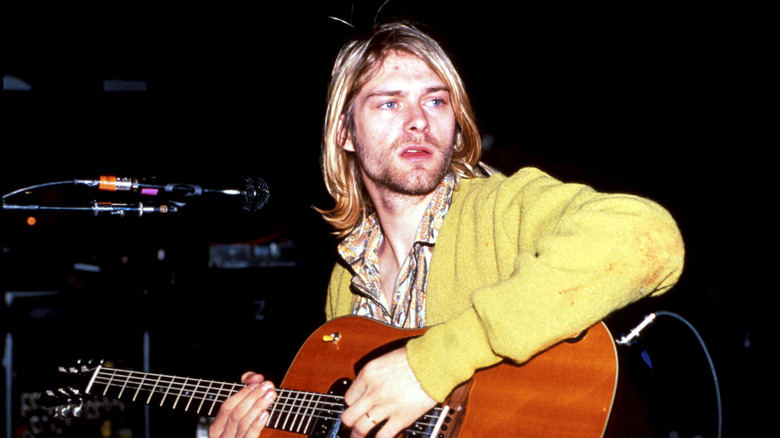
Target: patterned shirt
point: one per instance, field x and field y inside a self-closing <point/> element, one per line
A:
<point x="360" y="251"/>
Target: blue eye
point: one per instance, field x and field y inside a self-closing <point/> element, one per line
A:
<point x="388" y="105"/>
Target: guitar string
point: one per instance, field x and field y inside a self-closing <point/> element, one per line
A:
<point x="157" y="383"/>
<point x="327" y="407"/>
<point x="161" y="384"/>
<point x="196" y="389"/>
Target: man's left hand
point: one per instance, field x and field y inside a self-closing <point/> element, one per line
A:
<point x="385" y="389"/>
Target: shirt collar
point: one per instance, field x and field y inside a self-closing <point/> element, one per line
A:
<point x="369" y="235"/>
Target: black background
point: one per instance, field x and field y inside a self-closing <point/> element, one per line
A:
<point x="664" y="102"/>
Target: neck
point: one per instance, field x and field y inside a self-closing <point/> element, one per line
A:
<point x="399" y="216"/>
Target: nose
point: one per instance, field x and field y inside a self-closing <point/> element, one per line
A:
<point x="416" y="119"/>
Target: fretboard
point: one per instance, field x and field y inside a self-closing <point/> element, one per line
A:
<point x="307" y="413"/>
<point x="200" y="396"/>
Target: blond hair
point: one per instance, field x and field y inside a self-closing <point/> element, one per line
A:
<point x="355" y="65"/>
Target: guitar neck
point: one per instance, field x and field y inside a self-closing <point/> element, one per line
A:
<point x="308" y="413"/>
<point x="177" y="392"/>
<point x="293" y="411"/>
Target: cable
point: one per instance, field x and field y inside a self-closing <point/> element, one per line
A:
<point x="627" y="340"/>
<point x="709" y="361"/>
<point x="8" y="195"/>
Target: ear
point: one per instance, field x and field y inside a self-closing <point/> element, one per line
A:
<point x="344" y="137"/>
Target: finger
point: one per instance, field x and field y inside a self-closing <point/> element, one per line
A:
<point x="355" y="391"/>
<point x="253" y="423"/>
<point x="355" y="413"/>
<point x="256" y="427"/>
<point x="242" y="409"/>
<point x="357" y="403"/>
<point x="364" y="425"/>
<point x="390" y="429"/>
<point x="228" y="408"/>
<point x="250" y="377"/>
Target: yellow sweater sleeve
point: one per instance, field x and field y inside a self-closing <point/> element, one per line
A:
<point x="525" y="262"/>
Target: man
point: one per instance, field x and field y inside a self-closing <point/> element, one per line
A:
<point x="499" y="267"/>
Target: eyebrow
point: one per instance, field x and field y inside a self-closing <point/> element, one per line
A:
<point x="385" y="93"/>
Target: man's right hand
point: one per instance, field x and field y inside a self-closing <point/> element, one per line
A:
<point x="245" y="413"/>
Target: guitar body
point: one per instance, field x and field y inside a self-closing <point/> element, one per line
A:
<point x="566" y="391"/>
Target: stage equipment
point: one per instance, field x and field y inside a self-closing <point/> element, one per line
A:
<point x="255" y="195"/>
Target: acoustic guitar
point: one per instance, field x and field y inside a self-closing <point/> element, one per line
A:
<point x="566" y="391"/>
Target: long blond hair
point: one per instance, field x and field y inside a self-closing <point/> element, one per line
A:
<point x="355" y="65"/>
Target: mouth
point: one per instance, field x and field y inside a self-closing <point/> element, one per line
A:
<point x="416" y="152"/>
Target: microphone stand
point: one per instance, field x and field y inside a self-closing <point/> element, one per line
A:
<point x="113" y="208"/>
<point x="97" y="207"/>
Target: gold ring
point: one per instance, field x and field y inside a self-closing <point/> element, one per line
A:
<point x="369" y="417"/>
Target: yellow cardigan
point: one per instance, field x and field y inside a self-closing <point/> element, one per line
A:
<point x="523" y="262"/>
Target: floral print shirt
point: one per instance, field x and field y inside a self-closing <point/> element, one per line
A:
<point x="360" y="251"/>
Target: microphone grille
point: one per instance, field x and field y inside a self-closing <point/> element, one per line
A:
<point x="256" y="194"/>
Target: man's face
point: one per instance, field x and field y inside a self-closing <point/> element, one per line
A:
<point x="404" y="127"/>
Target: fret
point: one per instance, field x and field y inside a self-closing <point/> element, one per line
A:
<point x="272" y="410"/>
<point x="167" y="391"/>
<point x="287" y="417"/>
<point x="279" y="408"/>
<point x="293" y="411"/>
<point x="309" y="413"/>
<point x="143" y="377"/>
<point x="180" y="393"/>
<point x="214" y="401"/>
<point x="123" y="386"/>
<point x="151" y="393"/>
<point x="192" y="395"/>
<point x="300" y="414"/>
<point x="206" y="396"/>
<point x="105" y="391"/>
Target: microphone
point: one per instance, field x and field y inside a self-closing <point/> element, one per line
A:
<point x="255" y="190"/>
<point x="255" y="193"/>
